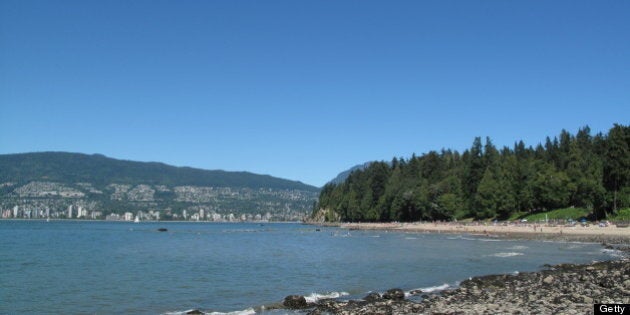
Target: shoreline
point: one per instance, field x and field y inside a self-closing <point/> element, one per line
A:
<point x="564" y="288"/>
<point x="575" y="233"/>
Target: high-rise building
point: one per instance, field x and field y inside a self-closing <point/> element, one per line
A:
<point x="70" y="212"/>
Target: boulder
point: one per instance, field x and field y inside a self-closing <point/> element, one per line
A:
<point x="394" y="294"/>
<point x="295" y="302"/>
<point x="372" y="297"/>
<point x="416" y="292"/>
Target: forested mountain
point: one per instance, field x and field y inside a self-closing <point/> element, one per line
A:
<point x="66" y="167"/>
<point x="486" y="182"/>
<point x="341" y="177"/>
<point x="71" y="185"/>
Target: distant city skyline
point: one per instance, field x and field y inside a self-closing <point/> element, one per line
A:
<point x="305" y="90"/>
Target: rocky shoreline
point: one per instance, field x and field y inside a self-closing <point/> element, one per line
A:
<point x="559" y="289"/>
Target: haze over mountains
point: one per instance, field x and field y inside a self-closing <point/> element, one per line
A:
<point x="55" y="181"/>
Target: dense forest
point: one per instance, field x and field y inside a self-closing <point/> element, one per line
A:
<point x="485" y="182"/>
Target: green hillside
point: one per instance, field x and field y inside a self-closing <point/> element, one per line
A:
<point x="98" y="169"/>
<point x="33" y="185"/>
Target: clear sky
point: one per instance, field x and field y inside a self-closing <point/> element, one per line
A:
<point x="305" y="89"/>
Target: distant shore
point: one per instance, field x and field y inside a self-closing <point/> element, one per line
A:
<point x="590" y="233"/>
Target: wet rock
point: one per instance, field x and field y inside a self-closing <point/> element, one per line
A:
<point x="372" y="297"/>
<point x="194" y="312"/>
<point x="295" y="302"/>
<point x="394" y="294"/>
<point x="415" y="292"/>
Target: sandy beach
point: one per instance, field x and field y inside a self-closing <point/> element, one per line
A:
<point x="590" y="233"/>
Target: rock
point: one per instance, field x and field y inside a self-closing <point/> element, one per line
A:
<point x="415" y="292"/>
<point x="566" y="289"/>
<point x="372" y="297"/>
<point x="162" y="229"/>
<point x="295" y="302"/>
<point x="394" y="294"/>
<point x="492" y="306"/>
<point x="194" y="312"/>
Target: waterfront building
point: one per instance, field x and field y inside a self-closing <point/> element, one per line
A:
<point x="128" y="216"/>
<point x="15" y="211"/>
<point x="70" y="212"/>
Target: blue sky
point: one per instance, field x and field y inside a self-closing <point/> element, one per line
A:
<point x="305" y="89"/>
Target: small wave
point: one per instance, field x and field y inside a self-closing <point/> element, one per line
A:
<point x="613" y="253"/>
<point x="517" y="247"/>
<point x="503" y="255"/>
<point x="249" y="311"/>
<point x="427" y="289"/>
<point x="314" y="297"/>
<point x="411" y="238"/>
<point x="479" y="239"/>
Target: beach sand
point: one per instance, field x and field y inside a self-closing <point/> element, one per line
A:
<point x="590" y="233"/>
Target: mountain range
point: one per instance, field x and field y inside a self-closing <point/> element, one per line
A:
<point x="98" y="184"/>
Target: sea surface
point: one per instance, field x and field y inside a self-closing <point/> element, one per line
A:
<point x="74" y="267"/>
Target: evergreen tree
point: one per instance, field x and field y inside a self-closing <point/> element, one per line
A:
<point x="617" y="162"/>
<point x="586" y="171"/>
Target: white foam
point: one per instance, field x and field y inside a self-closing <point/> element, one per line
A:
<point x="503" y="255"/>
<point x="314" y="297"/>
<point x="517" y="247"/>
<point x="430" y="289"/>
<point x="249" y="311"/>
<point x="613" y="252"/>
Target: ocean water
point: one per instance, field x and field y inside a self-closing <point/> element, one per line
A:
<point x="74" y="267"/>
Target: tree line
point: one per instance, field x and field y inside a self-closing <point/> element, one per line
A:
<point x="484" y="182"/>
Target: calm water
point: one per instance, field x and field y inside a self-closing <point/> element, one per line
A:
<point x="111" y="267"/>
